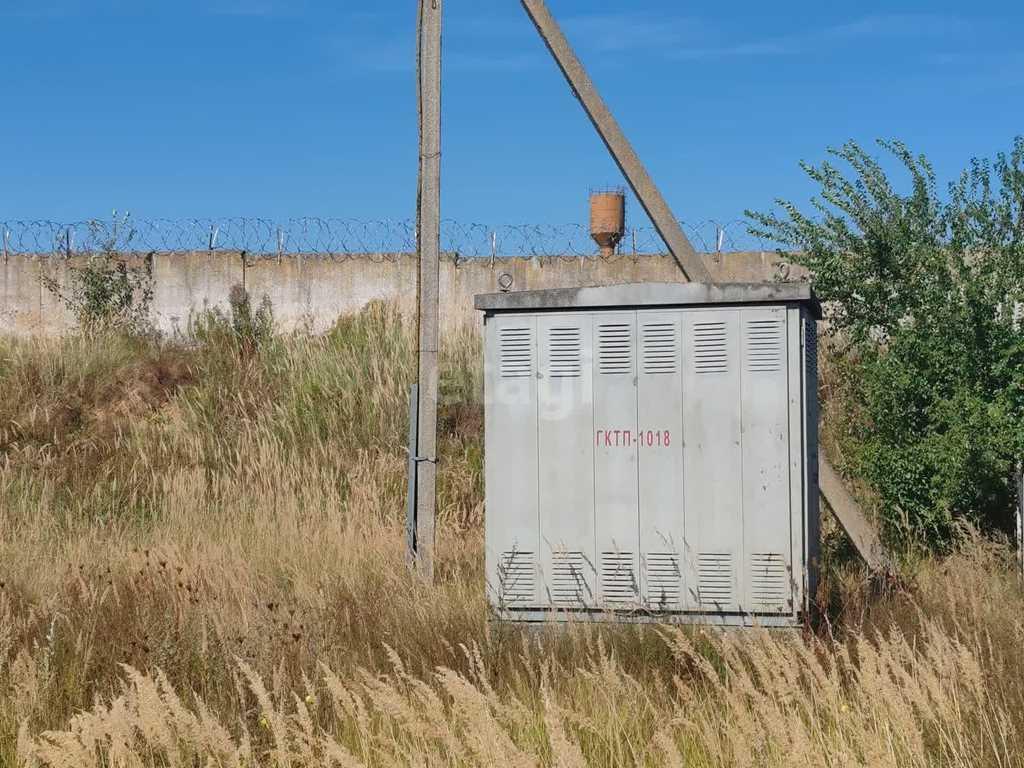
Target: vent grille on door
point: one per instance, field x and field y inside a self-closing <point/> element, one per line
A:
<point x="765" y="345"/>
<point x="615" y="349"/>
<point x="663" y="580"/>
<point x="516" y="352"/>
<point x="660" y="345"/>
<point x="710" y="352"/>
<point x="565" y="352"/>
<point x="769" y="583"/>
<point x="714" y="581"/>
<point x="811" y="383"/>
<point x="811" y="335"/>
<point x="618" y="580"/>
<point x="516" y="578"/>
<point x="568" y="579"/>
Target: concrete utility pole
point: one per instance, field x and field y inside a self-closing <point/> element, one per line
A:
<point x="428" y="233"/>
<point x="862" y="533"/>
<point x="618" y="145"/>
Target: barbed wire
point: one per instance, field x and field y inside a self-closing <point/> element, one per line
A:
<point x="343" y="238"/>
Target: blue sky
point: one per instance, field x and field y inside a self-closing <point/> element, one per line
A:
<point x="280" y="109"/>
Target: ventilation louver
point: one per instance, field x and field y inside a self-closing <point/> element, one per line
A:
<point x="715" y="581"/>
<point x="769" y="581"/>
<point x="710" y="352"/>
<point x="614" y="349"/>
<point x="618" y="581"/>
<point x="517" y="578"/>
<point x="565" y="353"/>
<point x="515" y="352"/>
<point x="663" y="580"/>
<point x="765" y="345"/>
<point x="660" y="345"/>
<point x="568" y="580"/>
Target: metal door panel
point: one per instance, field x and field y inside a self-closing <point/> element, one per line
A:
<point x="566" y="459"/>
<point x="712" y="460"/>
<point x="767" y="539"/>
<point x="615" y="459"/>
<point x="510" y="440"/>
<point x="661" y="476"/>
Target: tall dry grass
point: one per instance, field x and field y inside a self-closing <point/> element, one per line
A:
<point x="201" y="563"/>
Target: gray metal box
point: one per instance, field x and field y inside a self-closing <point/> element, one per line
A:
<point x="651" y="453"/>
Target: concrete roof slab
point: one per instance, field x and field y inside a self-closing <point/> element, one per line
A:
<point x="650" y="295"/>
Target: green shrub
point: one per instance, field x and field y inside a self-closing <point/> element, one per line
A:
<point x="242" y="328"/>
<point x="107" y="293"/>
<point x="923" y="294"/>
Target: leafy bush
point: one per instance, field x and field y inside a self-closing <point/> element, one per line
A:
<point x="107" y="293"/>
<point x="923" y="293"/>
<point x="242" y="327"/>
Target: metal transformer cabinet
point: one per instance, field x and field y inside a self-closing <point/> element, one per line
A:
<point x="651" y="453"/>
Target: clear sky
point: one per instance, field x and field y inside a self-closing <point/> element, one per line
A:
<point x="307" y="108"/>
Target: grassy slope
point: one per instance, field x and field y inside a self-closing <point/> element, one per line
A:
<point x="201" y="559"/>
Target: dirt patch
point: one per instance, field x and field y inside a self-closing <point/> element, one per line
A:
<point x="142" y="388"/>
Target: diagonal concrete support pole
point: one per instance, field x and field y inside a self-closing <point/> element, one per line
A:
<point x="618" y="145"/>
<point x="851" y="517"/>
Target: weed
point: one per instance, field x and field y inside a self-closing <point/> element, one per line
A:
<point x="202" y="563"/>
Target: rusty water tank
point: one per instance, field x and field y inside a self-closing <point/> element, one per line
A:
<point x="608" y="219"/>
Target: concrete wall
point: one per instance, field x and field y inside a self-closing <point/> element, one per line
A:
<point x="313" y="292"/>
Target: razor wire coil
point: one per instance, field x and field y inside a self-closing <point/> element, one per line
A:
<point x="337" y="238"/>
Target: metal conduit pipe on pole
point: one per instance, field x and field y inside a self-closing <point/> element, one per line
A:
<point x="864" y="535"/>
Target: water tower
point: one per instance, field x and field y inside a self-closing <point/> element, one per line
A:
<point x="608" y="219"/>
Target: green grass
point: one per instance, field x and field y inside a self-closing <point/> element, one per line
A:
<point x="211" y="528"/>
